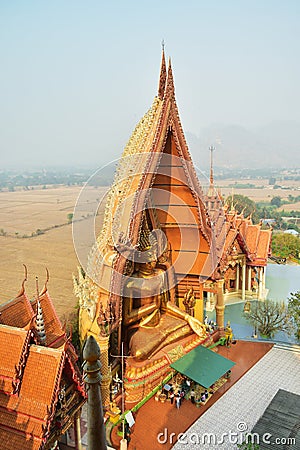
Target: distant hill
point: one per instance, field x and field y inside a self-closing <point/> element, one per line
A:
<point x="276" y="145"/>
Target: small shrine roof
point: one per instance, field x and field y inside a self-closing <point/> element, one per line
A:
<point x="55" y="335"/>
<point x="16" y="312"/>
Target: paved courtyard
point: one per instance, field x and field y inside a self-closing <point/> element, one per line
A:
<point x="225" y="423"/>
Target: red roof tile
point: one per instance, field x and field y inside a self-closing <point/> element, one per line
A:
<point x="12" y="341"/>
<point x="17" y="312"/>
<point x="263" y="245"/>
<point x="11" y="440"/>
<point x="55" y="335"/>
<point x="252" y="237"/>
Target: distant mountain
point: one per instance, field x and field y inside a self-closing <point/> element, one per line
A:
<point x="274" y="145"/>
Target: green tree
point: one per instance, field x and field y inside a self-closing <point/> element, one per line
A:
<point x="70" y="217"/>
<point x="285" y="245"/>
<point x="276" y="201"/>
<point x="242" y="204"/>
<point x="269" y="317"/>
<point x="294" y="311"/>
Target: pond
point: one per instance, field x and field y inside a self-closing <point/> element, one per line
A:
<point x="281" y="280"/>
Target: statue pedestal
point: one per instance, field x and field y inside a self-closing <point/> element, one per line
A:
<point x="141" y="377"/>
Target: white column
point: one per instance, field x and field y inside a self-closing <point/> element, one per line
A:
<point x="264" y="277"/>
<point x="243" y="281"/>
<point x="260" y="287"/>
<point x="208" y="301"/>
<point x="237" y="277"/>
<point x="249" y="278"/>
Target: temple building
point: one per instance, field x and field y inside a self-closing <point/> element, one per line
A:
<point x="166" y="250"/>
<point x="244" y="255"/>
<point x="41" y="388"/>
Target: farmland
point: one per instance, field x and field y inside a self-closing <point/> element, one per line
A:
<point x="21" y="214"/>
<point x="35" y="230"/>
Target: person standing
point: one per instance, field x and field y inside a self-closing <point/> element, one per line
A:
<point x="177" y="401"/>
<point x="192" y="396"/>
<point x="171" y="397"/>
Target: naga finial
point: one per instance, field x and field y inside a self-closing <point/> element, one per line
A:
<point x="45" y="288"/>
<point x="22" y="290"/>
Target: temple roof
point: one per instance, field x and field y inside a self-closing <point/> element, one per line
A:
<point x="31" y="375"/>
<point x="143" y="157"/>
<point x="17" y="312"/>
<point x="254" y="242"/>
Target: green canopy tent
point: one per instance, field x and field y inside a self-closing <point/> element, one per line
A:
<point x="203" y="366"/>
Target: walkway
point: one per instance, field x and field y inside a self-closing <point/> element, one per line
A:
<point x="241" y="407"/>
<point x="154" y="417"/>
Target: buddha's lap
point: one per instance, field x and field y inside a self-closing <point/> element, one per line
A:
<point x="169" y="328"/>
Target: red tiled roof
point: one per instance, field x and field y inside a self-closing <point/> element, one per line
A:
<point x="27" y="412"/>
<point x="252" y="237"/>
<point x="231" y="235"/>
<point x="17" y="312"/>
<point x="11" y="440"/>
<point x="253" y="241"/>
<point x="263" y="245"/>
<point x="12" y="341"/>
<point x="55" y="335"/>
<point x="30" y="374"/>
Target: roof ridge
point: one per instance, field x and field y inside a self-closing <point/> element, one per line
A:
<point x="162" y="76"/>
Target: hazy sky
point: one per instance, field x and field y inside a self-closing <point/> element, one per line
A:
<point x="76" y="76"/>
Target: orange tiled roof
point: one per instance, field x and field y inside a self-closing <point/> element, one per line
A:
<point x="30" y="374"/>
<point x="55" y="335"/>
<point x="263" y="244"/>
<point x="27" y="413"/>
<point x="11" y="440"/>
<point x="12" y="342"/>
<point x="254" y="242"/>
<point x="17" y="312"/>
<point x="252" y="237"/>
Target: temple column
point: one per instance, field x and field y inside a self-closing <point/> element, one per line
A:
<point x="103" y="342"/>
<point x="264" y="278"/>
<point x="77" y="431"/>
<point x="260" y="286"/>
<point x="243" y="281"/>
<point x="208" y="300"/>
<point x="249" y="278"/>
<point x="220" y="307"/>
<point x="237" y="277"/>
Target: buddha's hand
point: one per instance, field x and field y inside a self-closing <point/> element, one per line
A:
<point x="196" y="326"/>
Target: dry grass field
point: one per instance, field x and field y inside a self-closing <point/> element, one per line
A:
<point x="262" y="192"/>
<point x="24" y="212"/>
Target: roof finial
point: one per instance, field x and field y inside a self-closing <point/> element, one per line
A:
<point x="40" y="326"/>
<point x="163" y="73"/>
<point x="22" y="290"/>
<point x="170" y="90"/>
<point x="211" y="178"/>
<point x="45" y="288"/>
<point x="232" y="209"/>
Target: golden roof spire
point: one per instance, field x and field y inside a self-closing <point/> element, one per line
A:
<point x="170" y="89"/>
<point x="39" y="320"/>
<point x="163" y="74"/>
<point x="211" y="178"/>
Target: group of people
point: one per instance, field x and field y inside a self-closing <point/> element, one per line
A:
<point x="202" y="398"/>
<point x="187" y="389"/>
<point x="210" y="325"/>
<point x="175" y="395"/>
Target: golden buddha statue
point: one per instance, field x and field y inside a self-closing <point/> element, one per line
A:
<point x="152" y="321"/>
